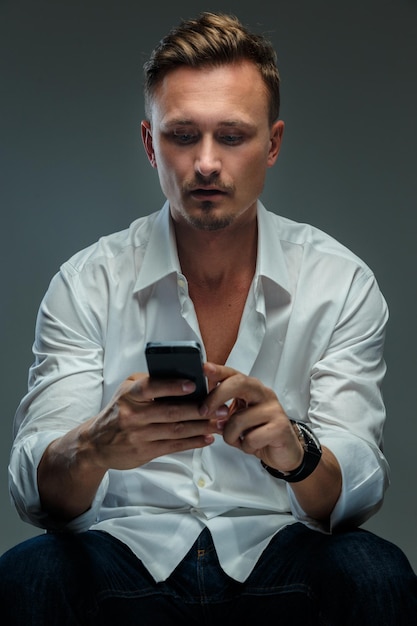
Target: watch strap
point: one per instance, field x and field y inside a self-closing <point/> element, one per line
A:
<point x="311" y="458"/>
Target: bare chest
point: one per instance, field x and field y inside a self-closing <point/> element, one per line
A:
<point x="219" y="315"/>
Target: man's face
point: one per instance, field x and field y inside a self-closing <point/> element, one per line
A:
<point x="210" y="139"/>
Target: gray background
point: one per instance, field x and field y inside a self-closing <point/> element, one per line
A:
<point x="73" y="168"/>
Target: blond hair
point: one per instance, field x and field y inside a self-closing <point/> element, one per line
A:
<point x="212" y="39"/>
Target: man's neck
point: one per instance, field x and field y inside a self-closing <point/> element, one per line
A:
<point x="219" y="267"/>
<point x="215" y="258"/>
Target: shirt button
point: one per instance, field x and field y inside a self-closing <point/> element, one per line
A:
<point x="181" y="283"/>
<point x="201" y="482"/>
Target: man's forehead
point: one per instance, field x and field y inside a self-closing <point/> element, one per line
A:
<point x="230" y="94"/>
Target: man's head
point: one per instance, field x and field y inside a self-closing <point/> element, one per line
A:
<point x="212" y="98"/>
<point x="209" y="41"/>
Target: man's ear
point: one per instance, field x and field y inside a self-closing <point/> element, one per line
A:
<point x="277" y="132"/>
<point x="148" y="141"/>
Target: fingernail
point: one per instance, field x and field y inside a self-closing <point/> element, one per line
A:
<point x="222" y="411"/>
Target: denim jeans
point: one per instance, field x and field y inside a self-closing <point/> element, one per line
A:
<point x="303" y="578"/>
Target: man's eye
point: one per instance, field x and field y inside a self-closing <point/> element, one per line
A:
<point x="184" y="138"/>
<point x="232" y="139"/>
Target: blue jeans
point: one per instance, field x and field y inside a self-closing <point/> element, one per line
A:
<point x="303" y="578"/>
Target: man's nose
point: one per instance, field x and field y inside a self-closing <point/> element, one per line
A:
<point x="207" y="161"/>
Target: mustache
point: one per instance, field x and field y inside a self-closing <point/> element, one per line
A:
<point x="201" y="182"/>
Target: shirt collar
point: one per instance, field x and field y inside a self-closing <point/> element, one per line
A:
<point x="271" y="262"/>
<point x="161" y="257"/>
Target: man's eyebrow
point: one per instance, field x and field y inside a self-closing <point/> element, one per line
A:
<point x="178" y="122"/>
<point x="234" y="123"/>
<point x="223" y="124"/>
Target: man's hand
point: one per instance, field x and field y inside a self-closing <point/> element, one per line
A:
<point x="134" y="428"/>
<point x="258" y="425"/>
<point x="138" y="425"/>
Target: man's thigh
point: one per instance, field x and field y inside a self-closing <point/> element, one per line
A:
<point x="351" y="577"/>
<point x="70" y="579"/>
<point x="303" y="577"/>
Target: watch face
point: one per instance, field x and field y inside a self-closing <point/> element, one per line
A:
<point x="310" y="438"/>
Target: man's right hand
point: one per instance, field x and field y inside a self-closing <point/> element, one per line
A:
<point x="137" y="426"/>
<point x="134" y="428"/>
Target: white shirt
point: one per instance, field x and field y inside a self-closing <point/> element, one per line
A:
<point x="312" y="329"/>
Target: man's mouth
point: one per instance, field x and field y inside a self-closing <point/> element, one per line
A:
<point x="206" y="192"/>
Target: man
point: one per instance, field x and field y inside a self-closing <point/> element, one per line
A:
<point x="247" y="505"/>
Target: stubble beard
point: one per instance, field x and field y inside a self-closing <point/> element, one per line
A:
<point x="207" y="221"/>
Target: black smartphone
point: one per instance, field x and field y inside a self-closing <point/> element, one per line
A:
<point x="178" y="359"/>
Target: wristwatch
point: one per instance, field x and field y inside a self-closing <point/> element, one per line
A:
<point x="312" y="455"/>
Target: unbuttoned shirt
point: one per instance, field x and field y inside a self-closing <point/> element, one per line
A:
<point x="312" y="329"/>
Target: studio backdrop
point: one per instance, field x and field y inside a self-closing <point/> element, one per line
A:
<point x="73" y="168"/>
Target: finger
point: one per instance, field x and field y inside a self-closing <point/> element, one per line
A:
<point x="180" y="429"/>
<point x="249" y="428"/>
<point x="144" y="388"/>
<point x="168" y="412"/>
<point x="154" y="414"/>
<point x="170" y="446"/>
<point x="235" y="387"/>
<point x="217" y="373"/>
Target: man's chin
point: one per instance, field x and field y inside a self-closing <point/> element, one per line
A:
<point x="209" y="222"/>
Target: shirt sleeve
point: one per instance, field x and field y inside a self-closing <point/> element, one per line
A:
<point x="347" y="411"/>
<point x="24" y="462"/>
<point x="365" y="477"/>
<point x="65" y="388"/>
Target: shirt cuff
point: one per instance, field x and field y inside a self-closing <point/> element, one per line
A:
<point x="23" y="486"/>
<point x="365" y="478"/>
